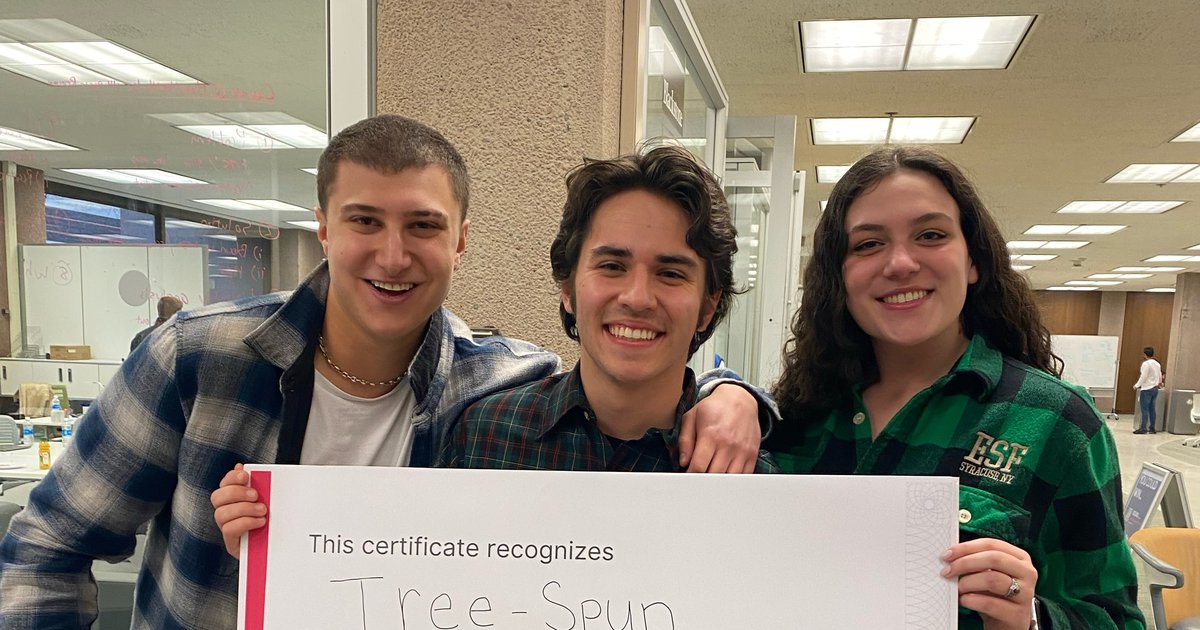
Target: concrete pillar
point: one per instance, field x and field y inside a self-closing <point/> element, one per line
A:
<point x="525" y="90"/>
<point x="23" y="206"/>
<point x="1183" y="362"/>
<point x="295" y="254"/>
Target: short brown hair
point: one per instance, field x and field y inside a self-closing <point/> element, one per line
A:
<point x="389" y="144"/>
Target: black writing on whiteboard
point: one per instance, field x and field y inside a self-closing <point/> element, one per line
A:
<point x="549" y="606"/>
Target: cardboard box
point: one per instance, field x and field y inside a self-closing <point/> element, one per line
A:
<point x="70" y="353"/>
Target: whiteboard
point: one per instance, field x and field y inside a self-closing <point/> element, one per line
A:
<point x="102" y="295"/>
<point x="51" y="295"/>
<point x="1088" y="360"/>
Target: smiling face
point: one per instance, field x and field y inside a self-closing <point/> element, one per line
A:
<point x="907" y="268"/>
<point x="392" y="241"/>
<point x="637" y="292"/>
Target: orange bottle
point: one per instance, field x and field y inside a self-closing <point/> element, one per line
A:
<point x="44" y="455"/>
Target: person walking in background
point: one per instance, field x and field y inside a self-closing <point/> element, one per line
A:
<point x="168" y="305"/>
<point x="1147" y="386"/>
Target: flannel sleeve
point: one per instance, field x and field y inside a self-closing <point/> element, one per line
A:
<point x="1088" y="580"/>
<point x="118" y="473"/>
<point x="768" y="412"/>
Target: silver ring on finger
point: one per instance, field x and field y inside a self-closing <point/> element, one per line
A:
<point x="1014" y="589"/>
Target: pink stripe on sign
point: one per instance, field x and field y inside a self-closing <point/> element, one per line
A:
<point x="256" y="557"/>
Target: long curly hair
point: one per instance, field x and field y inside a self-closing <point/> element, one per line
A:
<point x="829" y="353"/>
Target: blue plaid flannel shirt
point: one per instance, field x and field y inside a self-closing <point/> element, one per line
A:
<point x="222" y="384"/>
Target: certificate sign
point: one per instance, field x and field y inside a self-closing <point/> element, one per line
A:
<point x="425" y="549"/>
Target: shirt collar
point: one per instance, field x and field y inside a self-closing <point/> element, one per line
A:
<point x="567" y="400"/>
<point x="980" y="365"/>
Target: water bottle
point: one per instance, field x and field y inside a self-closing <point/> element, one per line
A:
<point x="68" y="430"/>
<point x="56" y="411"/>
<point x="27" y="432"/>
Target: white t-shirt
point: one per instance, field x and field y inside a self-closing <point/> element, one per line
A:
<point x="345" y="430"/>
<point x="1151" y="375"/>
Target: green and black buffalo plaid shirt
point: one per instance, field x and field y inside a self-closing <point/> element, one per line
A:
<point x="1036" y="465"/>
<point x="548" y="425"/>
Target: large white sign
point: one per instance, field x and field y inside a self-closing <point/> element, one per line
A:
<point x="424" y="549"/>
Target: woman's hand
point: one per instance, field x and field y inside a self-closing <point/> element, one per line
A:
<point x="995" y="579"/>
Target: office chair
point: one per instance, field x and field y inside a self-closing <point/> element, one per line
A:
<point x="7" y="511"/>
<point x="1172" y="557"/>
<point x="1194" y="416"/>
<point x="10" y="434"/>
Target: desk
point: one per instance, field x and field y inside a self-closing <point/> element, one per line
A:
<point x="26" y="462"/>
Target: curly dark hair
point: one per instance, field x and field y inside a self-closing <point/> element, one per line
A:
<point x="389" y="144"/>
<point x="674" y="174"/>
<point x="829" y="352"/>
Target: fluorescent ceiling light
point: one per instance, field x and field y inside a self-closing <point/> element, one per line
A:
<point x="1033" y="257"/>
<point x="831" y="174"/>
<point x="1092" y="283"/>
<point x="1172" y="258"/>
<point x="60" y="54"/>
<point x="1151" y="269"/>
<point x="931" y="130"/>
<point x="824" y="202"/>
<point x="134" y="175"/>
<point x="310" y="171"/>
<point x="849" y="130"/>
<point x="1149" y="173"/>
<point x="1075" y="229"/>
<point x="1191" y="135"/>
<point x="300" y="136"/>
<point x="1022" y="267"/>
<point x="854" y="45"/>
<point x="19" y="140"/>
<point x="966" y="43"/>
<point x="1072" y="288"/>
<point x="905" y="130"/>
<point x="236" y="136"/>
<point x="307" y="225"/>
<point x="1120" y="276"/>
<point x="252" y="204"/>
<point x="1118" y="207"/>
<point x="1047" y="244"/>
<point x="1190" y="177"/>
<point x="1161" y="290"/>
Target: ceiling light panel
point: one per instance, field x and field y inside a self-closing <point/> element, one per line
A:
<point x="310" y="171"/>
<point x="1118" y="207"/>
<point x="1047" y="244"/>
<point x="299" y="136"/>
<point x="966" y="43"/>
<point x="1151" y="269"/>
<point x="307" y="225"/>
<point x="28" y="142"/>
<point x="1149" y="173"/>
<point x="831" y="174"/>
<point x="931" y="130"/>
<point x="1147" y="207"/>
<point x="252" y="204"/>
<point x="1161" y="290"/>
<point x="1190" y="177"/>
<point x="235" y="136"/>
<point x="854" y="45"/>
<point x="1092" y="283"/>
<point x="57" y="53"/>
<point x="134" y="175"/>
<point x="1022" y="267"/>
<point x="1120" y="276"/>
<point x="1172" y="258"/>
<point x="1033" y="257"/>
<point x="1191" y="135"/>
<point x="1090" y="207"/>
<point x="1073" y="288"/>
<point x="1051" y="229"/>
<point x="849" y="130"/>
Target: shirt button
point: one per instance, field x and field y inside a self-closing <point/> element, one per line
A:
<point x="964" y="516"/>
<point x="859" y="417"/>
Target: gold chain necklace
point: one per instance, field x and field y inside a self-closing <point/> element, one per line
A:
<point x="352" y="378"/>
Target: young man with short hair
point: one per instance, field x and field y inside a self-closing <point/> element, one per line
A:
<point x="360" y="364"/>
<point x="644" y="262"/>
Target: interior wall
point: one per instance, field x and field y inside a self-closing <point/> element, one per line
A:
<point x="29" y="188"/>
<point x="1147" y="323"/>
<point x="526" y="91"/>
<point x="1070" y="312"/>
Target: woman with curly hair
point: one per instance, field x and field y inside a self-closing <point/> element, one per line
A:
<point x="918" y="350"/>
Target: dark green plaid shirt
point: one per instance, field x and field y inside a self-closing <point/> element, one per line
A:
<point x="1036" y="465"/>
<point x="548" y="425"/>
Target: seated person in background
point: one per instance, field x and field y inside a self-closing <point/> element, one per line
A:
<point x="168" y="305"/>
<point x="360" y="365"/>
<point x="644" y="262"/>
<point x="919" y="351"/>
